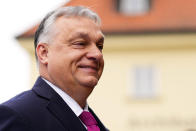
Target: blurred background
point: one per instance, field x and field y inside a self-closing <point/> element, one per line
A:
<point x="148" y="82"/>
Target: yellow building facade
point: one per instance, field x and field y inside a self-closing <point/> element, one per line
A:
<point x="148" y="83"/>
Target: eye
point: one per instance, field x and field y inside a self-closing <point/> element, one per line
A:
<point x="100" y="43"/>
<point x="80" y="44"/>
<point x="100" y="47"/>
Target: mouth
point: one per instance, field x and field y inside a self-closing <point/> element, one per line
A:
<point x="89" y="67"/>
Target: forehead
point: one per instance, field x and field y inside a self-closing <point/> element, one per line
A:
<point x="77" y="26"/>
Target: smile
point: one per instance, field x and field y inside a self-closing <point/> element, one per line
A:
<point x="89" y="67"/>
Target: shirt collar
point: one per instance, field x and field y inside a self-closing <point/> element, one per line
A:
<point x="75" y="107"/>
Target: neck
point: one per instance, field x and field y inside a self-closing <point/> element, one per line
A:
<point x="77" y="92"/>
<point x="80" y="96"/>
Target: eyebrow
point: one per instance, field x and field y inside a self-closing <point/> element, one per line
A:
<point x="85" y="36"/>
<point x="79" y="35"/>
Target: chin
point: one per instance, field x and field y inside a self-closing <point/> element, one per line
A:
<point x="90" y="82"/>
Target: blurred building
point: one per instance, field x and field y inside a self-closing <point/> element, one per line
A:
<point x="149" y="81"/>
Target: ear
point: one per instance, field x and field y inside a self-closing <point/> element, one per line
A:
<point x="42" y="53"/>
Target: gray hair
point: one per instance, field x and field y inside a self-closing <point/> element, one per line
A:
<point x="43" y="32"/>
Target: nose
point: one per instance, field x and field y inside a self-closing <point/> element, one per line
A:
<point x="94" y="53"/>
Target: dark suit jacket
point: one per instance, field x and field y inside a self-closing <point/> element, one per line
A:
<point x="40" y="109"/>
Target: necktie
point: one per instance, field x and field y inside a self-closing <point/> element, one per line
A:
<point x="90" y="122"/>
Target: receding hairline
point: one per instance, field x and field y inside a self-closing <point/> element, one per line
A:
<point x="82" y="12"/>
<point x="70" y="11"/>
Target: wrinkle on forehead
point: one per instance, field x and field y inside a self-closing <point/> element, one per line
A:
<point x="86" y="28"/>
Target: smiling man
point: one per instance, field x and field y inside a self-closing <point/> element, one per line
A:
<point x="68" y="45"/>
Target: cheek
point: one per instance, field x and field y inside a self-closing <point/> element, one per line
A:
<point x="57" y="63"/>
<point x="102" y="63"/>
<point x="76" y="57"/>
<point x="70" y="62"/>
<point x="101" y="67"/>
<point x="54" y="66"/>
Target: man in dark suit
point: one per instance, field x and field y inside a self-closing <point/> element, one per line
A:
<point x="68" y="45"/>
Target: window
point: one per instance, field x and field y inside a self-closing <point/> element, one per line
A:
<point x="133" y="7"/>
<point x="144" y="82"/>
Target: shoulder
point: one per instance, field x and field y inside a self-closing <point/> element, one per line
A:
<point x="26" y="103"/>
<point x="22" y="102"/>
<point x="11" y="120"/>
<point x="29" y="110"/>
<point x="22" y="112"/>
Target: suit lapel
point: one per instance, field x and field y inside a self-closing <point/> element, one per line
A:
<point x="65" y="115"/>
<point x="101" y="126"/>
<point x="58" y="107"/>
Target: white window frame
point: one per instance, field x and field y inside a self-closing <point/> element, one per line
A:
<point x="144" y="83"/>
<point x="134" y="7"/>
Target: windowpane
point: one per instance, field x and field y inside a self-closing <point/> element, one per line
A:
<point x="144" y="82"/>
<point x="133" y="7"/>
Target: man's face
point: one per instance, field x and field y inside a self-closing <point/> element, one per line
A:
<point x="75" y="53"/>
